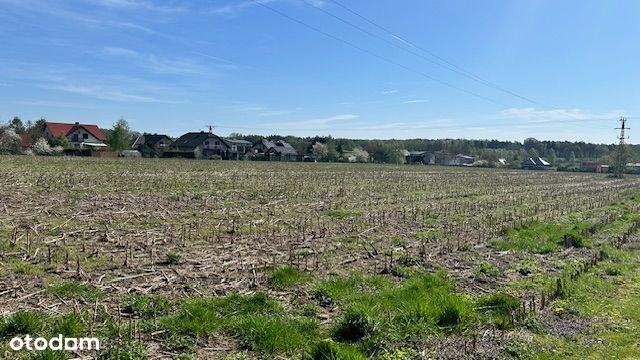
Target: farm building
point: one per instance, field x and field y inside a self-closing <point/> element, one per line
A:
<point x="79" y="136"/>
<point x="154" y="142"/>
<point x="278" y="150"/>
<point x="594" y="166"/>
<point x="420" y="157"/>
<point x="535" y="163"/>
<point x="198" y="145"/>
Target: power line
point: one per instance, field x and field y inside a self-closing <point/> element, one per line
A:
<point x="371" y="53"/>
<point x="393" y="62"/>
<point x="444" y="63"/>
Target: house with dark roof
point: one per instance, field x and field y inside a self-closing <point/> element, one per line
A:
<point x="239" y="148"/>
<point x="278" y="150"/>
<point x="420" y="157"/>
<point x="535" y="163"/>
<point x="199" y="145"/>
<point x="157" y="142"/>
<point x="79" y="136"/>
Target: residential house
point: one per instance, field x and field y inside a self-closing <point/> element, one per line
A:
<point x="198" y="145"/>
<point x="461" y="160"/>
<point x="594" y="166"/>
<point x="420" y="157"/>
<point x="535" y="163"/>
<point x="277" y="150"/>
<point x="79" y="136"/>
<point x="239" y="147"/>
<point x="153" y="144"/>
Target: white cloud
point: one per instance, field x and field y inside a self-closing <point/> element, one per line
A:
<point x="154" y="63"/>
<point x="536" y="115"/>
<point x="140" y="4"/>
<point x="107" y="93"/>
<point x="392" y="91"/>
<point x="234" y="8"/>
<point x="417" y="101"/>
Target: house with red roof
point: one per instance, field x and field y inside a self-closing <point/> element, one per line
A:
<point x="79" y="136"/>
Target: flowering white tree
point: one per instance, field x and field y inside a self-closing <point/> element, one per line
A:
<point x="361" y="154"/>
<point x="320" y="150"/>
<point x="41" y="147"/>
<point x="9" y="141"/>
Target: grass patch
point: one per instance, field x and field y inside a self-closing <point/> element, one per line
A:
<point x="258" y="321"/>
<point x="75" y="290"/>
<point x="543" y="238"/>
<point x="342" y="213"/>
<point x="329" y="350"/>
<point x="286" y="277"/>
<point x="379" y="313"/>
<point x="147" y="306"/>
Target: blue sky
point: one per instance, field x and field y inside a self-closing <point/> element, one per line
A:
<point x="177" y="66"/>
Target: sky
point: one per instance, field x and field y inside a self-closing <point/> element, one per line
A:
<point x="491" y="69"/>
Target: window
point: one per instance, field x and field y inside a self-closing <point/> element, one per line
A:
<point x="85" y="136"/>
<point x="217" y="142"/>
<point x="206" y="143"/>
<point x="74" y="138"/>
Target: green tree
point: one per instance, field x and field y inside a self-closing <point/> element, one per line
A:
<point x="17" y="125"/>
<point x="119" y="138"/>
<point x="552" y="157"/>
<point x="572" y="158"/>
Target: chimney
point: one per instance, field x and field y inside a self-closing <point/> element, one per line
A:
<point x="77" y="123"/>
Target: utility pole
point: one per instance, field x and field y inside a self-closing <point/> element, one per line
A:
<point x="210" y="128"/>
<point x="620" y="155"/>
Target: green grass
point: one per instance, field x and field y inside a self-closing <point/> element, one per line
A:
<point x="23" y="323"/>
<point x="542" y="238"/>
<point x="611" y="298"/>
<point x="377" y="312"/>
<point x="287" y="277"/>
<point x="258" y="321"/>
<point x="147" y="306"/>
<point x="342" y="213"/>
<point x="75" y="290"/>
<point x="329" y="350"/>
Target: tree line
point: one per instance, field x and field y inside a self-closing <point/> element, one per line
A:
<point x="565" y="154"/>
